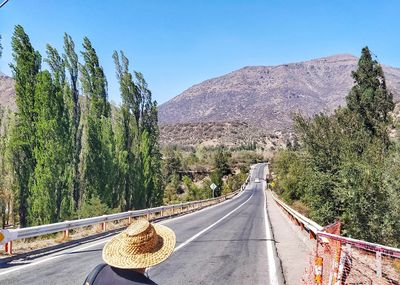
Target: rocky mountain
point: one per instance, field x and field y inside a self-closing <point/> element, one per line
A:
<point x="7" y="92"/>
<point x="267" y="96"/>
<point x="252" y="104"/>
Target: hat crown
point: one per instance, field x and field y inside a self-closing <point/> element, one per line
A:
<point x="137" y="228"/>
<point x="140" y="235"/>
<point x="140" y="245"/>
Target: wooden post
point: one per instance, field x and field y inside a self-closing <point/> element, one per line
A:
<point x="103" y="226"/>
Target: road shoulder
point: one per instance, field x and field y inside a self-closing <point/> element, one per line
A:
<point x="293" y="246"/>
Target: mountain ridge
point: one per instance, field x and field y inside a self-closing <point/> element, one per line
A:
<point x="266" y="96"/>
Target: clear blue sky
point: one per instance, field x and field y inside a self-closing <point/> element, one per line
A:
<point x="176" y="44"/>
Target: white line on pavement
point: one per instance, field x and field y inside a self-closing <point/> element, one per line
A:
<point x="212" y="225"/>
<point x="50" y="258"/>
<point x="107" y="239"/>
<point x="272" y="270"/>
<point x="202" y="210"/>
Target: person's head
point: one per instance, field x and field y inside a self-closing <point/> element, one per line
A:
<point x="140" y="246"/>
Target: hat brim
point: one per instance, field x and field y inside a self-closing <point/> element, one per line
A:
<point x="117" y="255"/>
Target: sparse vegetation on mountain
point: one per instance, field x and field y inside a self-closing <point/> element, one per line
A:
<point x="265" y="97"/>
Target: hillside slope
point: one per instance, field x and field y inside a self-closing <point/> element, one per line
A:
<point x="7" y="92"/>
<point x="267" y="96"/>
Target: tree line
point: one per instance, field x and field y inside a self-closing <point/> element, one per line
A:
<point x="346" y="166"/>
<point x="66" y="152"/>
<point x="211" y="166"/>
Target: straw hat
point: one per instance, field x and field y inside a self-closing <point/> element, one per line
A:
<point x="141" y="245"/>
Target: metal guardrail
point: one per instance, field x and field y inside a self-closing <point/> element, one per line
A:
<point x="369" y="246"/>
<point x="318" y="232"/>
<point x="8" y="236"/>
<point x="303" y="221"/>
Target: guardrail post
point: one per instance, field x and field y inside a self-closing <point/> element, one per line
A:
<point x="129" y="220"/>
<point x="318" y="269"/>
<point x="103" y="226"/>
<point x="66" y="234"/>
<point x="379" y="264"/>
<point x="8" y="248"/>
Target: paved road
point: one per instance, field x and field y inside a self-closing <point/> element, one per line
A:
<point x="223" y="244"/>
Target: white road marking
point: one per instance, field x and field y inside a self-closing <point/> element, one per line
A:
<point x="107" y="239"/>
<point x="202" y="210"/>
<point x="51" y="258"/>
<point x="212" y="225"/>
<point x="272" y="270"/>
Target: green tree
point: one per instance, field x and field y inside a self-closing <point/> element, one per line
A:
<point x="221" y="169"/>
<point x="51" y="198"/>
<point x="172" y="163"/>
<point x="369" y="97"/>
<point x="72" y="101"/>
<point x="46" y="191"/>
<point x="98" y="154"/>
<point x="6" y="171"/>
<point x="344" y="168"/>
<point x="126" y="132"/>
<point x="221" y="162"/>
<point x="25" y="67"/>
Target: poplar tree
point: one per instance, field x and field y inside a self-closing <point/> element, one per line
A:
<point x="25" y="67"/>
<point x="44" y="192"/>
<point x="158" y="183"/>
<point x="4" y="193"/>
<point x="150" y="155"/>
<point x="126" y="132"/>
<point x="72" y="101"/>
<point x="99" y="145"/>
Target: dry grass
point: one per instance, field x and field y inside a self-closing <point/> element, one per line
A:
<point x="27" y="245"/>
<point x="301" y="208"/>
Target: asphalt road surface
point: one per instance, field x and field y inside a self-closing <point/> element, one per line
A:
<point x="222" y="244"/>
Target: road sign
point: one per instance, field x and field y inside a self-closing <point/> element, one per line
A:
<point x="213" y="187"/>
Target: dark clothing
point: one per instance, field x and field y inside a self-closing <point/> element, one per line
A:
<point x="115" y="276"/>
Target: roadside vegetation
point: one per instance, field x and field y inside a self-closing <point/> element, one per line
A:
<point x="189" y="172"/>
<point x="67" y="152"/>
<point x="345" y="166"/>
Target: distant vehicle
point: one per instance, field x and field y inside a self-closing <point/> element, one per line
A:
<point x="257" y="180"/>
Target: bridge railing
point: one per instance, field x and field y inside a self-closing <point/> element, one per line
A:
<point x="344" y="260"/>
<point x="10" y="235"/>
